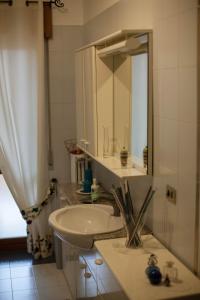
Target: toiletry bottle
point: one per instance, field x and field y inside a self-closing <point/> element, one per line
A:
<point x="86" y="186"/>
<point x="94" y="190"/>
<point x="153" y="271"/>
<point x="87" y="181"/>
<point x="124" y="157"/>
<point x="145" y="157"/>
<point x="170" y="271"/>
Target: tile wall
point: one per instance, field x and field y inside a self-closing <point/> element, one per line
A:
<point x="174" y="24"/>
<point x="62" y="95"/>
<point x="175" y="123"/>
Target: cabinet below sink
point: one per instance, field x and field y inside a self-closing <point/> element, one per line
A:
<point x="86" y="279"/>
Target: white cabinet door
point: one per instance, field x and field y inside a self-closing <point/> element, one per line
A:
<point x="94" y="102"/>
<point x="86" y="285"/>
<point x="70" y="258"/>
<point x="106" y="282"/>
<point x="80" y="114"/>
<point x="104" y="78"/>
<point x="86" y="279"/>
<point x="90" y="100"/>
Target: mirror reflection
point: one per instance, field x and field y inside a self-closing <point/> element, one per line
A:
<point x="132" y="108"/>
<point x="139" y="104"/>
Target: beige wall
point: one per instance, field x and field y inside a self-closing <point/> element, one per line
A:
<point x="93" y="8"/>
<point x="125" y="14"/>
<point x="71" y="14"/>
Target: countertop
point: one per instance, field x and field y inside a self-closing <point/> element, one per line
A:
<point x="69" y="194"/>
<point x="128" y="266"/>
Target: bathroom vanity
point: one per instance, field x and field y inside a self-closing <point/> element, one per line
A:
<point x="110" y="271"/>
<point x="128" y="267"/>
<point x="121" y="273"/>
<point x="85" y="278"/>
<point x="88" y="280"/>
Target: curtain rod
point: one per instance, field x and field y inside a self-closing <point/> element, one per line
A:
<point x="58" y="3"/>
<point x="9" y="2"/>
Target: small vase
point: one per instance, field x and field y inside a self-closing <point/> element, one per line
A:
<point x="124" y="157"/>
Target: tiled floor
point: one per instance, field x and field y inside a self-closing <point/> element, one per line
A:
<point x="20" y="280"/>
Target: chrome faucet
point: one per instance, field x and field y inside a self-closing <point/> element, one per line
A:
<point x="109" y="196"/>
<point x="116" y="210"/>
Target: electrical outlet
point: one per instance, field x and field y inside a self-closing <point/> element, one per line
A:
<point x="171" y="194"/>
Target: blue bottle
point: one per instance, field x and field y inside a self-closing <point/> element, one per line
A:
<point x="155" y="275"/>
<point x="86" y="186"/>
<point x="153" y="271"/>
<point x="87" y="181"/>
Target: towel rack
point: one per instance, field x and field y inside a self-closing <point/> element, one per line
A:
<point x="58" y="3"/>
<point x="9" y="2"/>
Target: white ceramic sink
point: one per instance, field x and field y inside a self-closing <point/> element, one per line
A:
<point x="81" y="224"/>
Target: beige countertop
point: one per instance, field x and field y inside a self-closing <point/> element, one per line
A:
<point x="128" y="266"/>
<point x="69" y="193"/>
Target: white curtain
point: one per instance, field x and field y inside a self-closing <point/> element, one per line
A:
<point x="23" y="143"/>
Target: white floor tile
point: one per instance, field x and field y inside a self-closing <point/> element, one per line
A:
<point x="48" y="275"/>
<point x="6" y="296"/>
<point x="50" y="280"/>
<point x="59" y="293"/>
<point x="23" y="283"/>
<point x="20" y="263"/>
<point x="25" y="271"/>
<point x="48" y="284"/>
<point x="4" y="273"/>
<point x="45" y="269"/>
<point x="4" y="264"/>
<point x="25" y="295"/>
<point x="5" y="285"/>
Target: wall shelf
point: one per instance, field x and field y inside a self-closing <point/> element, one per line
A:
<point x="113" y="164"/>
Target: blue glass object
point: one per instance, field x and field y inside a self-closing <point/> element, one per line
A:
<point x="150" y="268"/>
<point x="153" y="271"/>
<point x="87" y="181"/>
<point x="87" y="186"/>
<point x="88" y="175"/>
<point x="154" y="275"/>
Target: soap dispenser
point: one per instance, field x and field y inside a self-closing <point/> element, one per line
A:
<point x="94" y="190"/>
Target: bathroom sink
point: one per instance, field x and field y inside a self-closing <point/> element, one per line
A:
<point x="81" y="224"/>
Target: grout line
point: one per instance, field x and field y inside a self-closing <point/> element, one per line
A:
<point x="11" y="281"/>
<point x="36" y="287"/>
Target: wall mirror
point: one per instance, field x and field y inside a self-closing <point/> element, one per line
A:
<point x="131" y="60"/>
